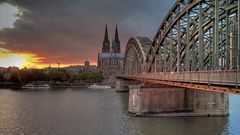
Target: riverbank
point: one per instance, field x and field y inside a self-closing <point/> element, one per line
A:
<point x="10" y="85"/>
<point x="53" y="85"/>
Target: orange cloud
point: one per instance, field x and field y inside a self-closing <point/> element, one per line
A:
<point x="29" y="60"/>
<point x="9" y="58"/>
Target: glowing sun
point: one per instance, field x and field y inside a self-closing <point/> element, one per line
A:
<point x="9" y="58"/>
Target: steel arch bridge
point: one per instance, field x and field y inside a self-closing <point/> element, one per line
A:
<point x="197" y="42"/>
<point x="135" y="55"/>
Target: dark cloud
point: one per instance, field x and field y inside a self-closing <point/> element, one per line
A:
<point x="72" y="30"/>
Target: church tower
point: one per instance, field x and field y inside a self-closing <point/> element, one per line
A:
<point x="106" y="42"/>
<point x="116" y="43"/>
<point x="110" y="59"/>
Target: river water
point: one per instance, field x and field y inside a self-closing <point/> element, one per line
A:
<point x="98" y="112"/>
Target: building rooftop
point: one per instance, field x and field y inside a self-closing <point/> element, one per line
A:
<point x="111" y="55"/>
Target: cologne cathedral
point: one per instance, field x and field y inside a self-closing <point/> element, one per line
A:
<point x="110" y="60"/>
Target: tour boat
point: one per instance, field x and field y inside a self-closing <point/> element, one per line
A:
<point x="95" y="86"/>
<point x="36" y="86"/>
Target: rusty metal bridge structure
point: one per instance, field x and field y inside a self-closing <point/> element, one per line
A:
<point x="196" y="46"/>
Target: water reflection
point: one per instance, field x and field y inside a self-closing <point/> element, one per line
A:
<point x="179" y="126"/>
<point x="99" y="112"/>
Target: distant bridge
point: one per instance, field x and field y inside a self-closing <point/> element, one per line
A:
<point x="136" y="55"/>
<point x="196" y="46"/>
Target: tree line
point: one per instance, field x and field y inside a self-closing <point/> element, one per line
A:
<point x="58" y="75"/>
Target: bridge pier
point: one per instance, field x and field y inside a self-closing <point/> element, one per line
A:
<point x="172" y="101"/>
<point x="122" y="85"/>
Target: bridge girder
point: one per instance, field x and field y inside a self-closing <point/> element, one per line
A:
<point x="186" y="39"/>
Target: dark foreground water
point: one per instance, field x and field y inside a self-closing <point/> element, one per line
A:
<point x="98" y="112"/>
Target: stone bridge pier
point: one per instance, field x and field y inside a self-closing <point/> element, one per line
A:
<point x="172" y="101"/>
<point x="123" y="85"/>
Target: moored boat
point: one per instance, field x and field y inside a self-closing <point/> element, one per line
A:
<point x="96" y="86"/>
<point x="36" y="86"/>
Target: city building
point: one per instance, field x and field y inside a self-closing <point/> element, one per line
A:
<point x="110" y="60"/>
<point x="75" y="69"/>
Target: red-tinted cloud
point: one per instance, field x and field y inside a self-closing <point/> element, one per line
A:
<point x="69" y="31"/>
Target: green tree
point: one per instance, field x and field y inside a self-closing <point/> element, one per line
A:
<point x="27" y="76"/>
<point x="58" y="75"/>
<point x="90" y="76"/>
<point x="1" y="77"/>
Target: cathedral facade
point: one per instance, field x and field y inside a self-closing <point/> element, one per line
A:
<point x="110" y="60"/>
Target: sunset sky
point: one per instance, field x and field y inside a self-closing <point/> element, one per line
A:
<point x="36" y="33"/>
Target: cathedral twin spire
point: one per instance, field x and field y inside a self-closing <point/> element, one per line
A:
<point x="116" y="35"/>
<point x="106" y="42"/>
<point x="115" y="43"/>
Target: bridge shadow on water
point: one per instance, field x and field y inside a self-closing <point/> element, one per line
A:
<point x="179" y="126"/>
<point x="183" y="125"/>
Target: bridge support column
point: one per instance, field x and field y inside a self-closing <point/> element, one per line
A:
<point x="123" y="85"/>
<point x="172" y="101"/>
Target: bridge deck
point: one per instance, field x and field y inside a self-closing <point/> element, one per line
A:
<point x="227" y="81"/>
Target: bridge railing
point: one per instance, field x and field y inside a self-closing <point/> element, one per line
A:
<point x="219" y="77"/>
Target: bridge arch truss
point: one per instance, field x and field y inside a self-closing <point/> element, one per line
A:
<point x="135" y="55"/>
<point x="197" y="35"/>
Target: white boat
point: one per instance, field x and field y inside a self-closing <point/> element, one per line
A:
<point x="36" y="86"/>
<point x="95" y="86"/>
